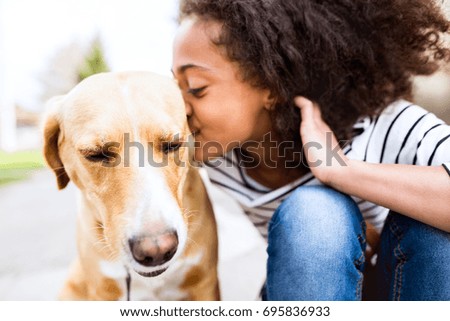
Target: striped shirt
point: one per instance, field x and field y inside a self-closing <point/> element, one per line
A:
<point x="403" y="133"/>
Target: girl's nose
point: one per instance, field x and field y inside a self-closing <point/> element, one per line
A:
<point x="188" y="107"/>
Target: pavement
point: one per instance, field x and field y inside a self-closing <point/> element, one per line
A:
<point x="37" y="241"/>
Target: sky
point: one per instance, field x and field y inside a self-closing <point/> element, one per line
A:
<point x="136" y="35"/>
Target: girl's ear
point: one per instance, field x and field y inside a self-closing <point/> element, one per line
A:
<point x="269" y="100"/>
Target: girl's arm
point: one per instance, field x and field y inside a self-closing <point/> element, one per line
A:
<point x="420" y="192"/>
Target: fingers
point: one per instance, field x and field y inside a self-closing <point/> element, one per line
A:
<point x="306" y="108"/>
<point x="309" y="110"/>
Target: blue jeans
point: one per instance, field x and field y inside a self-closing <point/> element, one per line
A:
<point x="317" y="252"/>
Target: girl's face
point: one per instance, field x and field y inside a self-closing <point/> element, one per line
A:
<point x="222" y="111"/>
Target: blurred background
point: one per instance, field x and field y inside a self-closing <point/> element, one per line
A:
<point x="46" y="48"/>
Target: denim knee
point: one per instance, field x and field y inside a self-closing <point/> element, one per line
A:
<point x="316" y="247"/>
<point x="320" y="218"/>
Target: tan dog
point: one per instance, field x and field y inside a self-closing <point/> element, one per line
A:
<point x="145" y="231"/>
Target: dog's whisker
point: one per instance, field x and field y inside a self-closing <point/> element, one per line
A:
<point x="101" y="245"/>
<point x="192" y="211"/>
<point x="187" y="211"/>
<point x="59" y="175"/>
<point x="191" y="240"/>
<point x="111" y="254"/>
<point x="191" y="214"/>
<point x="191" y="224"/>
<point x="100" y="226"/>
<point x="58" y="168"/>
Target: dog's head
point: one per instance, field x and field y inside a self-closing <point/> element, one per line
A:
<point x="123" y="139"/>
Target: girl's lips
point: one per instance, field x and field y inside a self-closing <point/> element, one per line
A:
<point x="193" y="128"/>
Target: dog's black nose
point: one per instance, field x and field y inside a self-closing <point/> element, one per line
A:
<point x="154" y="250"/>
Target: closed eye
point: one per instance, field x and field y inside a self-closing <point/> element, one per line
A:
<point x="100" y="157"/>
<point x="197" y="92"/>
<point x="97" y="155"/>
<point x="168" y="147"/>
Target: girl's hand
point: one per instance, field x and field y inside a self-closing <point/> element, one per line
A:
<point x="319" y="141"/>
<point x="323" y="154"/>
<point x="424" y="190"/>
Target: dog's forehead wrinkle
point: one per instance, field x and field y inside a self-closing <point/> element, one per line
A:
<point x="87" y="142"/>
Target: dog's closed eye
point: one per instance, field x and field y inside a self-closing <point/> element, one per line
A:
<point x="98" y="154"/>
<point x="100" y="157"/>
<point x="168" y="147"/>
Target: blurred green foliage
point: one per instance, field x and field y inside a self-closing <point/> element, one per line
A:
<point x="94" y="63"/>
<point x="19" y="165"/>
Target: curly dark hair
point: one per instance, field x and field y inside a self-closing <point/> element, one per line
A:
<point x="352" y="57"/>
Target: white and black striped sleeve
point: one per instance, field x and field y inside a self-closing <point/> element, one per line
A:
<point x="432" y="143"/>
<point x="408" y="134"/>
<point x="447" y="167"/>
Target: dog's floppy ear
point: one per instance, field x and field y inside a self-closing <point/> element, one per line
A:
<point x="51" y="131"/>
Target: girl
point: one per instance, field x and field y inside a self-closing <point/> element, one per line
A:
<point x="300" y="111"/>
